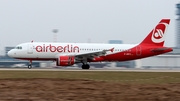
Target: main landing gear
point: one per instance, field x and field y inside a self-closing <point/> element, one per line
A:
<point x="85" y="66"/>
<point x="30" y="64"/>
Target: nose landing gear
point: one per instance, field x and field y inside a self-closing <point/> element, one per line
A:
<point x="30" y="64"/>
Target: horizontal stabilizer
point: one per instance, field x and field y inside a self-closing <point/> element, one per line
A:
<point x="160" y="49"/>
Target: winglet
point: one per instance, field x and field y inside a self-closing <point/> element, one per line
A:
<point x="112" y="49"/>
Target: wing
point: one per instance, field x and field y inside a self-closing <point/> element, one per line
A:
<point x="91" y="55"/>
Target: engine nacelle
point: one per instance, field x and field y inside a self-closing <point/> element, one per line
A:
<point x="65" y="61"/>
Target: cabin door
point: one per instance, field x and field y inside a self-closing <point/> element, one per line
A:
<point x="30" y="49"/>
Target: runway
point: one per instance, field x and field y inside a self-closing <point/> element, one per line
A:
<point x="92" y="69"/>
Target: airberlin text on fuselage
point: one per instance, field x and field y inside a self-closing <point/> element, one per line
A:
<point x="51" y="48"/>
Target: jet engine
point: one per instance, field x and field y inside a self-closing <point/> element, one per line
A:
<point x="65" y="61"/>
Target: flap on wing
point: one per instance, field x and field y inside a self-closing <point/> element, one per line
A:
<point x="91" y="54"/>
<point x="88" y="53"/>
<point x="159" y="49"/>
<point x="95" y="53"/>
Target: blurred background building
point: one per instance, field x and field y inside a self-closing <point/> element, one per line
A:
<point x="178" y="26"/>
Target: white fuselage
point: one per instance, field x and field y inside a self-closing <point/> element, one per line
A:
<point x="51" y="50"/>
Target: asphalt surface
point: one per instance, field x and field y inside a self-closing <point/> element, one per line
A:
<point x="92" y="69"/>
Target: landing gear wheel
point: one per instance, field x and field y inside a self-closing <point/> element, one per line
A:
<point x="85" y="66"/>
<point x="29" y="66"/>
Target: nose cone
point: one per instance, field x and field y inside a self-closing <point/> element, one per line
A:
<point x="10" y="53"/>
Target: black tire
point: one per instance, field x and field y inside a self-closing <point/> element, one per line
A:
<point x="85" y="66"/>
<point x="29" y="66"/>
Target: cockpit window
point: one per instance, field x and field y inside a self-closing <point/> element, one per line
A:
<point x="18" y="47"/>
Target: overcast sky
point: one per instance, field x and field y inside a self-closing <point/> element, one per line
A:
<point x="80" y="20"/>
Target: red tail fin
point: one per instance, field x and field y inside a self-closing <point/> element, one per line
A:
<point x="157" y="35"/>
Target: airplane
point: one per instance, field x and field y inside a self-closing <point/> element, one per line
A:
<point x="68" y="54"/>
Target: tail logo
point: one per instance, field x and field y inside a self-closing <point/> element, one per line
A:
<point x="158" y="33"/>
